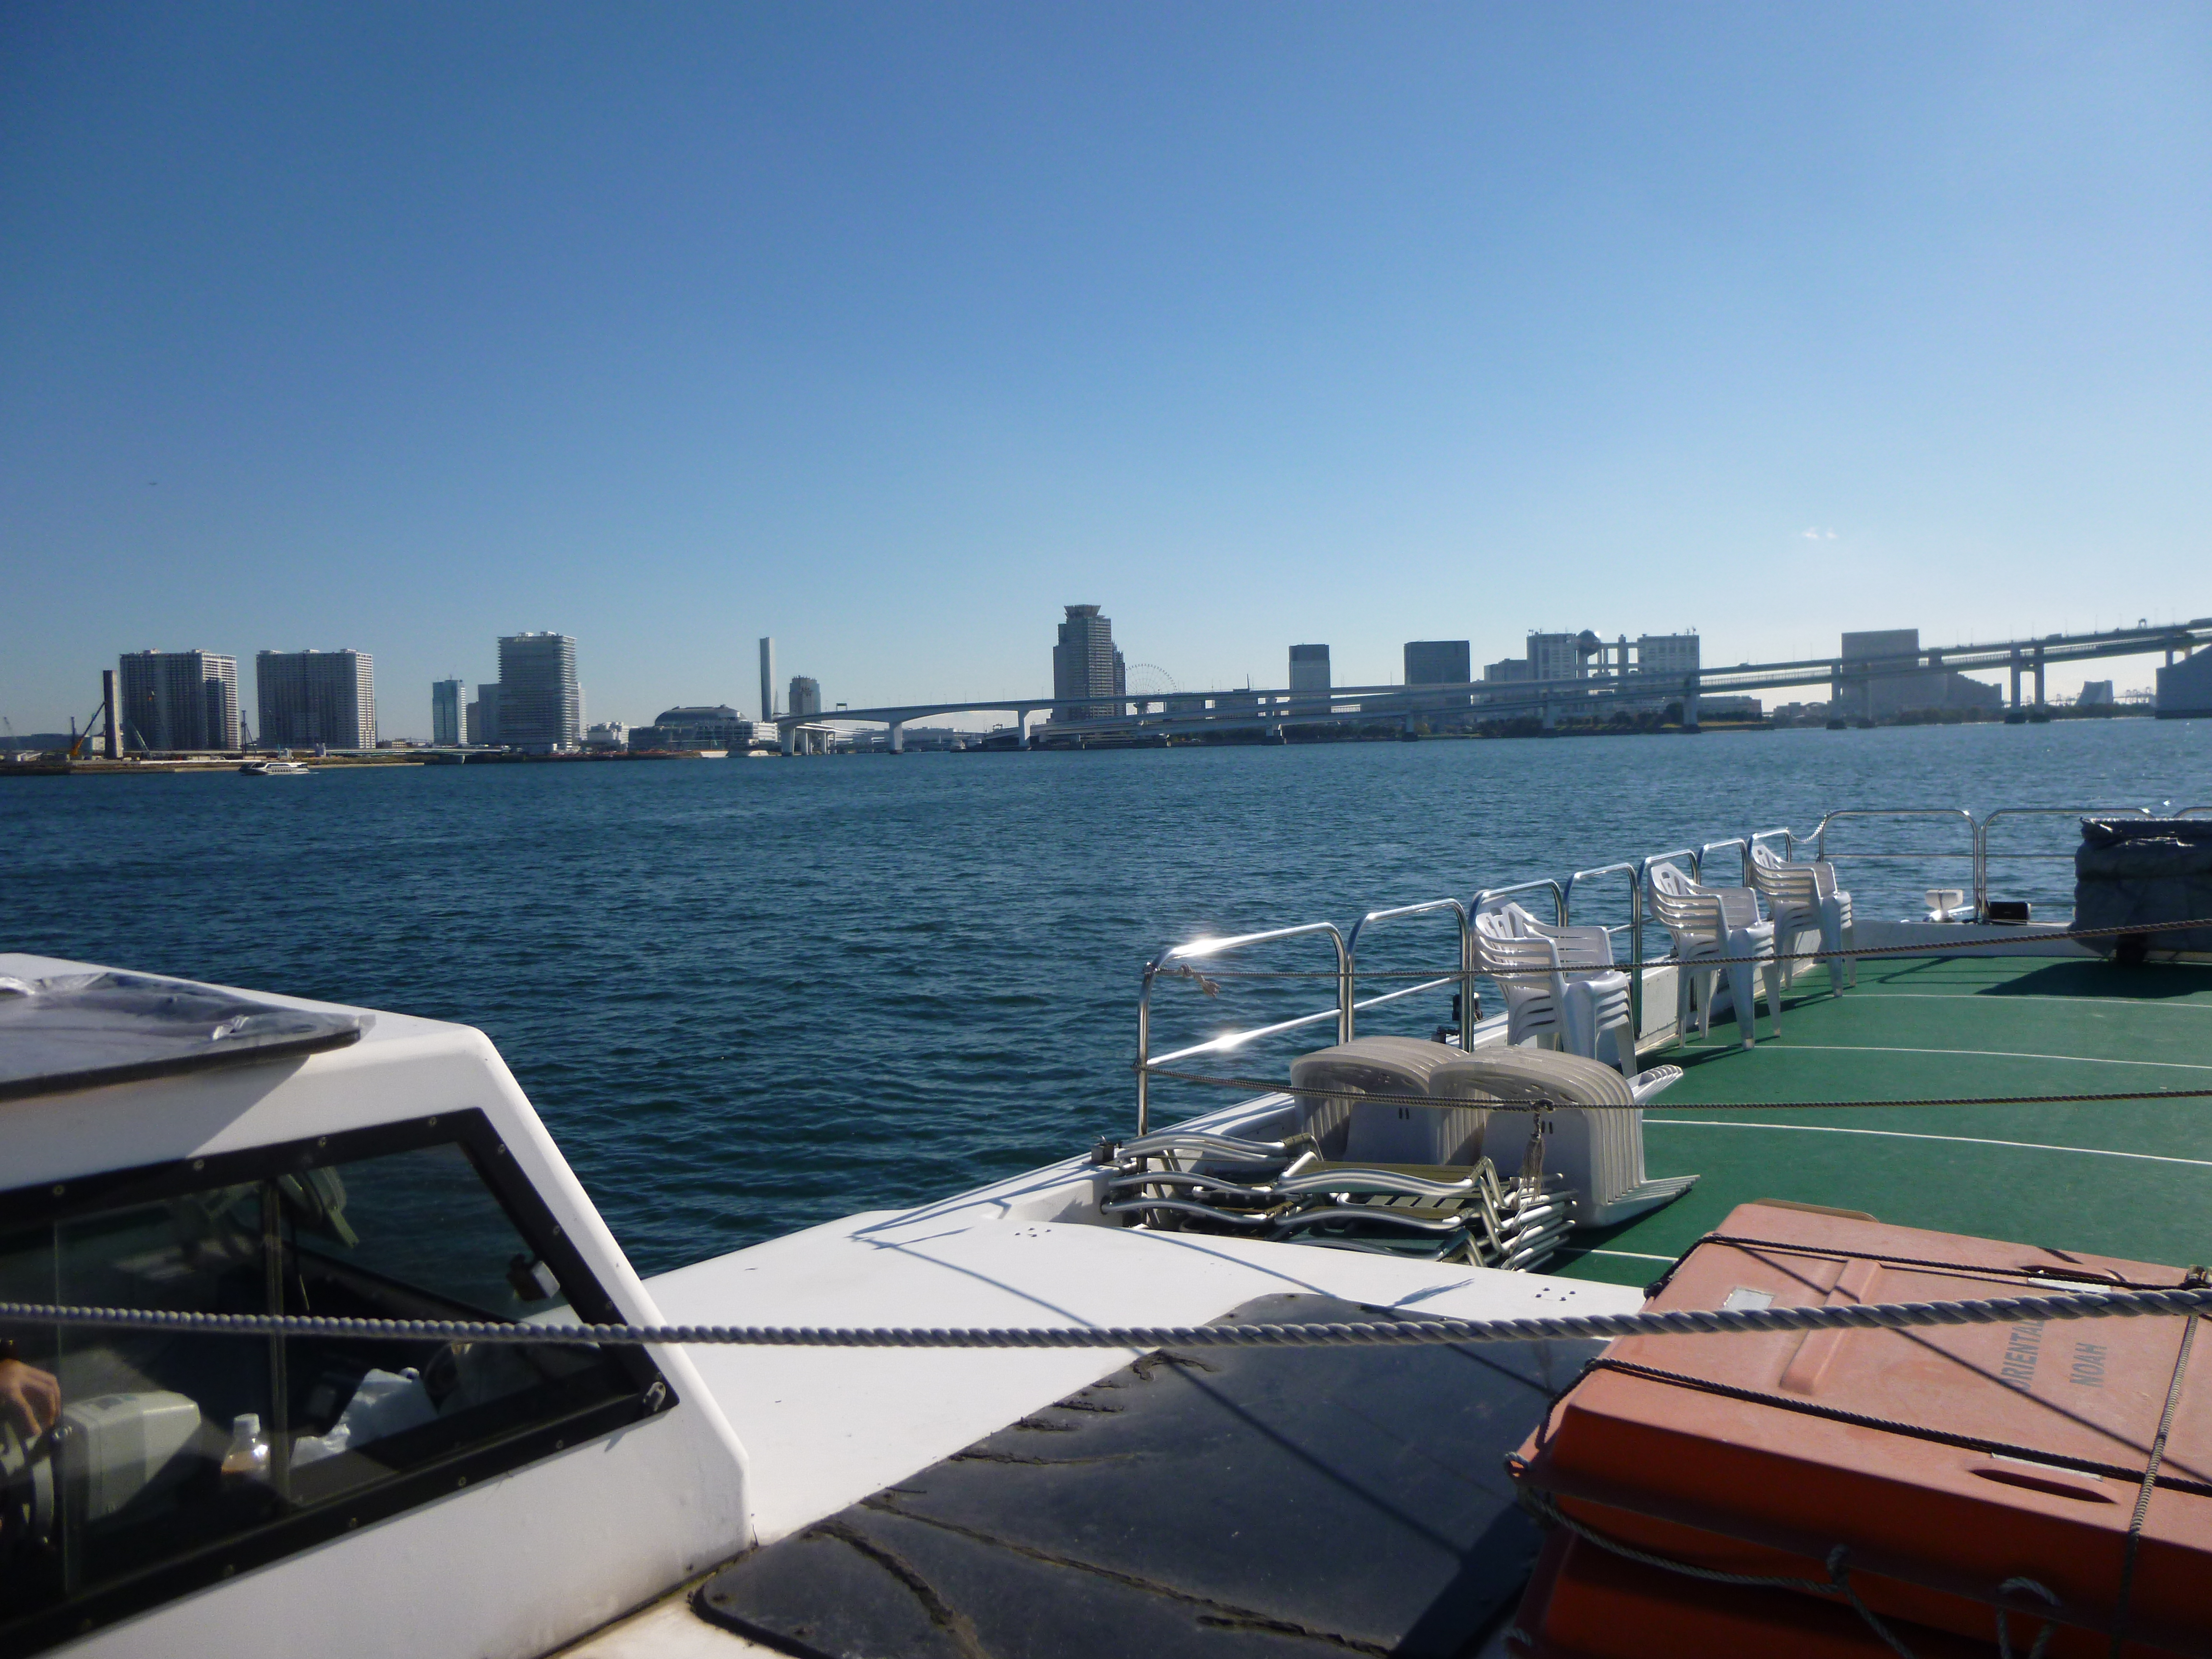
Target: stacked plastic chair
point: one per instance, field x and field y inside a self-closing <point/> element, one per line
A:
<point x="1558" y="982"/>
<point x="1707" y="922"/>
<point x="1801" y="897"/>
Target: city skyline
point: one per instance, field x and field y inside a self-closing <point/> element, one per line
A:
<point x="1254" y="325"/>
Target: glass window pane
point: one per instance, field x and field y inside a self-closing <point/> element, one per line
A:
<point x="124" y="1450"/>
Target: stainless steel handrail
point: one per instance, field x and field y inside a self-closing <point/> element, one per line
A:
<point x="1981" y="839"/>
<point x="1635" y="874"/>
<point x="1464" y="978"/>
<point x="1489" y="896"/>
<point x="1198" y="949"/>
<point x="2191" y="811"/>
<point x="1972" y="853"/>
<point x="1743" y="851"/>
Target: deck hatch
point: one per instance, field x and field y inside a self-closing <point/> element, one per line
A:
<point x="1244" y="1500"/>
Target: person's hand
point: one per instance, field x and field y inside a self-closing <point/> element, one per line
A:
<point x="29" y="1398"/>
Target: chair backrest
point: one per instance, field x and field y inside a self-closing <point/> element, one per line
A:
<point x="1683" y="907"/>
<point x="1511" y="952"/>
<point x="1780" y="879"/>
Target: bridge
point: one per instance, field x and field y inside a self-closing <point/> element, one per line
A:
<point x="1138" y="719"/>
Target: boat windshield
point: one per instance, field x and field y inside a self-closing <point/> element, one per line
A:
<point x="137" y="1457"/>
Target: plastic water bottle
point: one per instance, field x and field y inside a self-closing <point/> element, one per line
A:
<point x="248" y="1456"/>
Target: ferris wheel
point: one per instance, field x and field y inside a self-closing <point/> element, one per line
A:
<point x="1148" y="682"/>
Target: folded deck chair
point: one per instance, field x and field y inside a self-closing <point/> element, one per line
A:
<point x="1596" y="1134"/>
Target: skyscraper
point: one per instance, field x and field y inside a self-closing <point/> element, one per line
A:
<point x="483" y="715"/>
<point x="540" y="709"/>
<point x="1310" y="673"/>
<point x="768" y="678"/>
<point x="177" y="699"/>
<point x="1084" y="664"/>
<point x="805" y="695"/>
<point x="1556" y="657"/>
<point x="448" y="698"/>
<point x="310" y="697"/>
<point x="1437" y="662"/>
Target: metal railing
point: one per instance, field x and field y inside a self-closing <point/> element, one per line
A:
<point x="1171" y="960"/>
<point x="1177" y="962"/>
<point x="1982" y="840"/>
<point x="1464" y="979"/>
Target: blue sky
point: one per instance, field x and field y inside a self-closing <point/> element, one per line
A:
<point x="889" y="330"/>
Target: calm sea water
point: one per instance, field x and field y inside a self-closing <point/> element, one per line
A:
<point x="750" y="995"/>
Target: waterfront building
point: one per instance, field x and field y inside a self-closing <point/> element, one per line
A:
<point x="767" y="680"/>
<point x="484" y="717"/>
<point x="540" y="709"/>
<point x="805" y="695"/>
<point x="2184" y="687"/>
<point x="1084" y="664"/>
<point x="610" y="734"/>
<point x="1556" y="657"/>
<point x="448" y="707"/>
<point x="310" y="699"/>
<point x="1438" y="662"/>
<point x="2095" y="694"/>
<point x="177" y="699"/>
<point x="702" y="726"/>
<point x="1667" y="654"/>
<point x="1509" y="668"/>
<point x="1309" y="673"/>
<point x="1921" y="690"/>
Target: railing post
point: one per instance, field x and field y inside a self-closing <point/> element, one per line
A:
<point x="1344" y="991"/>
<point x="1466" y="979"/>
<point x="1145" y="1050"/>
<point x="1635" y="959"/>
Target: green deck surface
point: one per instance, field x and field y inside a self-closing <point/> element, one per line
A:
<point x="2129" y="1178"/>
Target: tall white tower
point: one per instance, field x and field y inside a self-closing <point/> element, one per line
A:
<point x="767" y="680"/>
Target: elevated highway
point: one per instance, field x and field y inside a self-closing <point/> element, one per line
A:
<point x="1596" y="694"/>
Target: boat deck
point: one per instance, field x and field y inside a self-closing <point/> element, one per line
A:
<point x="2130" y="1178"/>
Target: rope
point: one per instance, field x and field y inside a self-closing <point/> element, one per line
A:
<point x="1837" y="1583"/>
<point x="1274" y="1085"/>
<point x="2150" y="1480"/>
<point x="1852" y="952"/>
<point x="1892" y="1316"/>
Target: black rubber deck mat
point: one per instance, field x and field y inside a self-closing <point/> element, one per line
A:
<point x="1216" y="1502"/>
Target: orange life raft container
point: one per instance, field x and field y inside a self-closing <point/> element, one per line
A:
<point x="1960" y="1469"/>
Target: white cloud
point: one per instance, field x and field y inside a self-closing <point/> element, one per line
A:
<point x="1811" y="535"/>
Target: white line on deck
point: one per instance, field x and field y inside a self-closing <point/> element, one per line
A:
<point x="2028" y="996"/>
<point x="1638" y="1255"/>
<point x="1975" y="1054"/>
<point x="1907" y="1135"/>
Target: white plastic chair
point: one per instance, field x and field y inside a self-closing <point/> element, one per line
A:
<point x="1716" y="921"/>
<point x="1558" y="982"/>
<point x="1804" y="895"/>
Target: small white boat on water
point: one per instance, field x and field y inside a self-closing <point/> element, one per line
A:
<point x="274" y="769"/>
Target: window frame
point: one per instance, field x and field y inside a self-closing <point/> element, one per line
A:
<point x="471" y="1130"/>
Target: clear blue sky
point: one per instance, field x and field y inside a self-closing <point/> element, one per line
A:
<point x="889" y="330"/>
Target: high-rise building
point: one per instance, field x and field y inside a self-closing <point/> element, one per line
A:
<point x="1556" y="657"/>
<point x="1084" y="664"/>
<point x="1509" y="669"/>
<point x="1309" y="673"/>
<point x="177" y="699"/>
<point x="540" y="709"/>
<point x="1667" y="654"/>
<point x="767" y="680"/>
<point x="449" y="702"/>
<point x="484" y="716"/>
<point x="1437" y="662"/>
<point x="311" y="697"/>
<point x="805" y="695"/>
